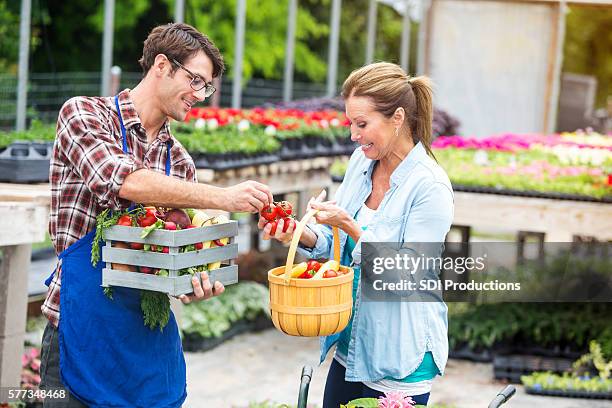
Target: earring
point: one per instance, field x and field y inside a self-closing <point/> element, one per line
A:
<point x="396" y="133"/>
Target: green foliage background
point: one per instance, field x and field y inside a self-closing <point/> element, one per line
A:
<point x="67" y="36"/>
<point x="588" y="45"/>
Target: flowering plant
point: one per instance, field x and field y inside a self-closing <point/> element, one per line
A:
<point x="570" y="163"/>
<point x="392" y="399"/>
<point x="30" y="369"/>
<point x="215" y="130"/>
<point x="30" y="372"/>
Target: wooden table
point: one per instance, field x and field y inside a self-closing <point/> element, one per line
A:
<point x="24" y="213"/>
<point x="559" y="220"/>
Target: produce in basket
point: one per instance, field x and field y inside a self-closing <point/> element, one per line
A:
<point x="315" y="270"/>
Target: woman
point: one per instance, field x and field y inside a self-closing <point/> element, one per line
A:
<point x="393" y="191"/>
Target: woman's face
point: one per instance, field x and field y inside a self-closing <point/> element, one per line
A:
<point x="375" y="133"/>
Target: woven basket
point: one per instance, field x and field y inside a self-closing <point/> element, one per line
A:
<point x="310" y="307"/>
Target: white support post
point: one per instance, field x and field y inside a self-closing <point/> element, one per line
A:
<point x="405" y="44"/>
<point x="239" y="53"/>
<point x="107" y="46"/>
<point x="562" y="10"/>
<point x="371" y="40"/>
<point x="421" y="68"/>
<point x="24" y="52"/>
<point x="289" y="51"/>
<point x="21" y="224"/>
<point x="334" y="39"/>
<point x="179" y="11"/>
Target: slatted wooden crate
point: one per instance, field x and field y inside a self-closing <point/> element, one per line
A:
<point x="173" y="261"/>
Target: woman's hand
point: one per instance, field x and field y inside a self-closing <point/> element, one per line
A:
<point x="329" y="213"/>
<point x="278" y="226"/>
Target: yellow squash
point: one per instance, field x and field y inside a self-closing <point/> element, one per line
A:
<point x="329" y="265"/>
<point x="219" y="219"/>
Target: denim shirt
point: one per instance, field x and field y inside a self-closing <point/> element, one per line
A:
<point x="390" y="339"/>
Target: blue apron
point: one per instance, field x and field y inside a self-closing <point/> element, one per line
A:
<point x="108" y="357"/>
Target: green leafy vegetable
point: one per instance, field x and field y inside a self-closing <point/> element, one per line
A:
<point x="155" y="308"/>
<point x="159" y="224"/>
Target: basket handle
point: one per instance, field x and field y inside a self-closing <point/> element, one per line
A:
<point x="296" y="240"/>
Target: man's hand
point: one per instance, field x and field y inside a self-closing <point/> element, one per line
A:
<point x="249" y="196"/>
<point x="203" y="291"/>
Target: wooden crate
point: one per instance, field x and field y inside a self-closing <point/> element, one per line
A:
<point x="173" y="261"/>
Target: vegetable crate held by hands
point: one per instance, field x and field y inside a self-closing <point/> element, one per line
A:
<point x="164" y="260"/>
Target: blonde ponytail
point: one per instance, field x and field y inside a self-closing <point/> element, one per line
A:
<point x="422" y="129"/>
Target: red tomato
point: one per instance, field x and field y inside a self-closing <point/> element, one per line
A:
<point x="284" y="208"/>
<point x="287" y="222"/>
<point x="330" y="274"/>
<point x="269" y="212"/>
<point x="146" y="269"/>
<point x="306" y="275"/>
<point x="166" y="250"/>
<point x="148" y="219"/>
<point x="136" y="245"/>
<point x="273" y="227"/>
<point x="125" y="220"/>
<point x="314" y="265"/>
<point x="198" y="245"/>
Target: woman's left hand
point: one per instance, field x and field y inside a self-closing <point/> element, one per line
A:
<point x="330" y="214"/>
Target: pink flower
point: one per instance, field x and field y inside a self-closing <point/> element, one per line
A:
<point x="35" y="365"/>
<point x="395" y="399"/>
<point x="34" y="353"/>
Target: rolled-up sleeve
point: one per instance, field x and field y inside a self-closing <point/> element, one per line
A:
<point x="93" y="151"/>
<point x="323" y="244"/>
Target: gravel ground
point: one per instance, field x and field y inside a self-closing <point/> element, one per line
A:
<point x="266" y="366"/>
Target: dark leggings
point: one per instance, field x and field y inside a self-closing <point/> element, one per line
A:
<point x="338" y="391"/>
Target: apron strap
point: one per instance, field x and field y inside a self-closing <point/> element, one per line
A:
<point x="168" y="164"/>
<point x="125" y="146"/>
<point x="124" y="137"/>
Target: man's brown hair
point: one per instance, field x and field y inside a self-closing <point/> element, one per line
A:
<point x="180" y="42"/>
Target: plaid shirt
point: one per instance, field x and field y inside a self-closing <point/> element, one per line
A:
<point x="88" y="168"/>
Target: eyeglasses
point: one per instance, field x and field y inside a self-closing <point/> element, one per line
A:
<point x="197" y="82"/>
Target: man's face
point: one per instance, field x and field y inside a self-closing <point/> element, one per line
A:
<point x="176" y="94"/>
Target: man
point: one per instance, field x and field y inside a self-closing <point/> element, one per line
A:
<point x="109" y="152"/>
